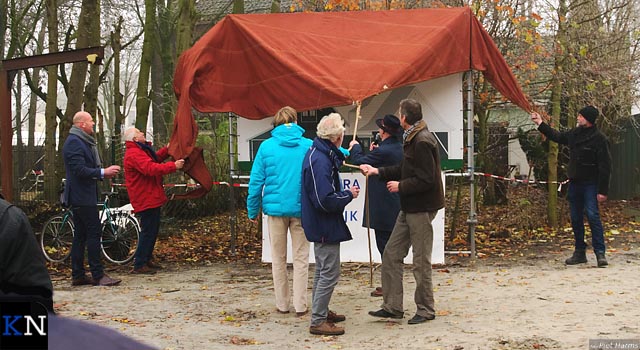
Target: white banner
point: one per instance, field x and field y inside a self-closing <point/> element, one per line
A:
<point x="357" y="249"/>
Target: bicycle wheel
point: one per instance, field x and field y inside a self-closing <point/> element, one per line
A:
<point x="56" y="238"/>
<point x="120" y="237"/>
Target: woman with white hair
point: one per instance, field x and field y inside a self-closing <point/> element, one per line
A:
<point x="323" y="201"/>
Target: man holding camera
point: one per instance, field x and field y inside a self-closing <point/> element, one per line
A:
<point x="383" y="205"/>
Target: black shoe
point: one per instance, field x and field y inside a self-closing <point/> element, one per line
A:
<point x="384" y="314"/>
<point x="578" y="257"/>
<point x="416" y="319"/>
<point x="602" y="261"/>
<point x="82" y="281"/>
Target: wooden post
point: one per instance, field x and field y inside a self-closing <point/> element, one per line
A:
<point x="6" y="134"/>
<point x="358" y="116"/>
<point x="91" y="54"/>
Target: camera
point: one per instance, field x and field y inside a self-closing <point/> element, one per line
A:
<point x="376" y="137"/>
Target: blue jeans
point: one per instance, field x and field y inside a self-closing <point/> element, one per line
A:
<point x="87" y="232"/>
<point x="149" y="228"/>
<point x="583" y="198"/>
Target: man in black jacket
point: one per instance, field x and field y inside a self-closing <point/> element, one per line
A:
<point x="418" y="181"/>
<point x="589" y="170"/>
<point x="23" y="273"/>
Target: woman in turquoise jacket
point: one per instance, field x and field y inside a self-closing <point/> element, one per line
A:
<point x="274" y="186"/>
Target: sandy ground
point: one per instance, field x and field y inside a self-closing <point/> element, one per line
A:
<point x="534" y="302"/>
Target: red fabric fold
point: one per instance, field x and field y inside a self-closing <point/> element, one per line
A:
<point x="195" y="167"/>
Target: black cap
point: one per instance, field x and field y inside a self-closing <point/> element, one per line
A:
<point x="390" y="124"/>
<point x="590" y="113"/>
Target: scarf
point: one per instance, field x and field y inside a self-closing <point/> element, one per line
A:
<point x="408" y="131"/>
<point x="147" y="148"/>
<point x="90" y="141"/>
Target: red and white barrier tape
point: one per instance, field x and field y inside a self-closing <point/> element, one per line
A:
<point x="511" y="179"/>
<point x="222" y="183"/>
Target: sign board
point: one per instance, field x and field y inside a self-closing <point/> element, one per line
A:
<point x="357" y="249"/>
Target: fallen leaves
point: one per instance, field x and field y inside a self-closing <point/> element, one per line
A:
<point x="506" y="232"/>
<point x="243" y="341"/>
<point x="443" y="313"/>
<point x="518" y="228"/>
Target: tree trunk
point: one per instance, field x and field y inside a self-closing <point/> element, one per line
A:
<point x="184" y="37"/>
<point x="556" y="99"/>
<point x="19" y="163"/>
<point x="238" y="6"/>
<point x="3" y="28"/>
<point x="160" y="132"/>
<point x="185" y="24"/>
<point x="117" y="95"/>
<point x="33" y="99"/>
<point x="146" y="60"/>
<point x="167" y="30"/>
<point x="51" y="177"/>
<point x="91" y="90"/>
<point x="275" y="6"/>
<point x="89" y="12"/>
<point x="162" y="42"/>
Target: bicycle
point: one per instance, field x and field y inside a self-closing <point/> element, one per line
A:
<point x="119" y="237"/>
<point x="33" y="179"/>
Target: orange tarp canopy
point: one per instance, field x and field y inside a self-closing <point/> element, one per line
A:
<point x="255" y="64"/>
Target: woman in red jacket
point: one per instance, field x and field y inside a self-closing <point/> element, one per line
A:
<point x="143" y="171"/>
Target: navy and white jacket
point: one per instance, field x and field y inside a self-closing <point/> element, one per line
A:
<point x="323" y="200"/>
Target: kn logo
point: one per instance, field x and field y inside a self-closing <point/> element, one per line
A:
<point x="23" y="325"/>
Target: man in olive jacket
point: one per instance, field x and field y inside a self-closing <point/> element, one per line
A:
<point x="418" y="181"/>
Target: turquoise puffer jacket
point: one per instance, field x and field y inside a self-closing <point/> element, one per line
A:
<point x="275" y="180"/>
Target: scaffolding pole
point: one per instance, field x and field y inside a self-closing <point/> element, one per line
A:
<point x="233" y="160"/>
<point x="473" y="220"/>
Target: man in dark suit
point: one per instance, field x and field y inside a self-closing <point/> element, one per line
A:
<point x="83" y="169"/>
<point x="384" y="205"/>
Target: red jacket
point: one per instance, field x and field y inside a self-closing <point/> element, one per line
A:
<point x="143" y="176"/>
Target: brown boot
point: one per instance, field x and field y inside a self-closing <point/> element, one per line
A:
<point x="326" y="328"/>
<point x="154" y="265"/>
<point x="144" y="270"/>
<point x="334" y="317"/>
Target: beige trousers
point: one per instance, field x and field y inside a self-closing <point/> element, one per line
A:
<point x="278" y="228"/>
<point x="411" y="230"/>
